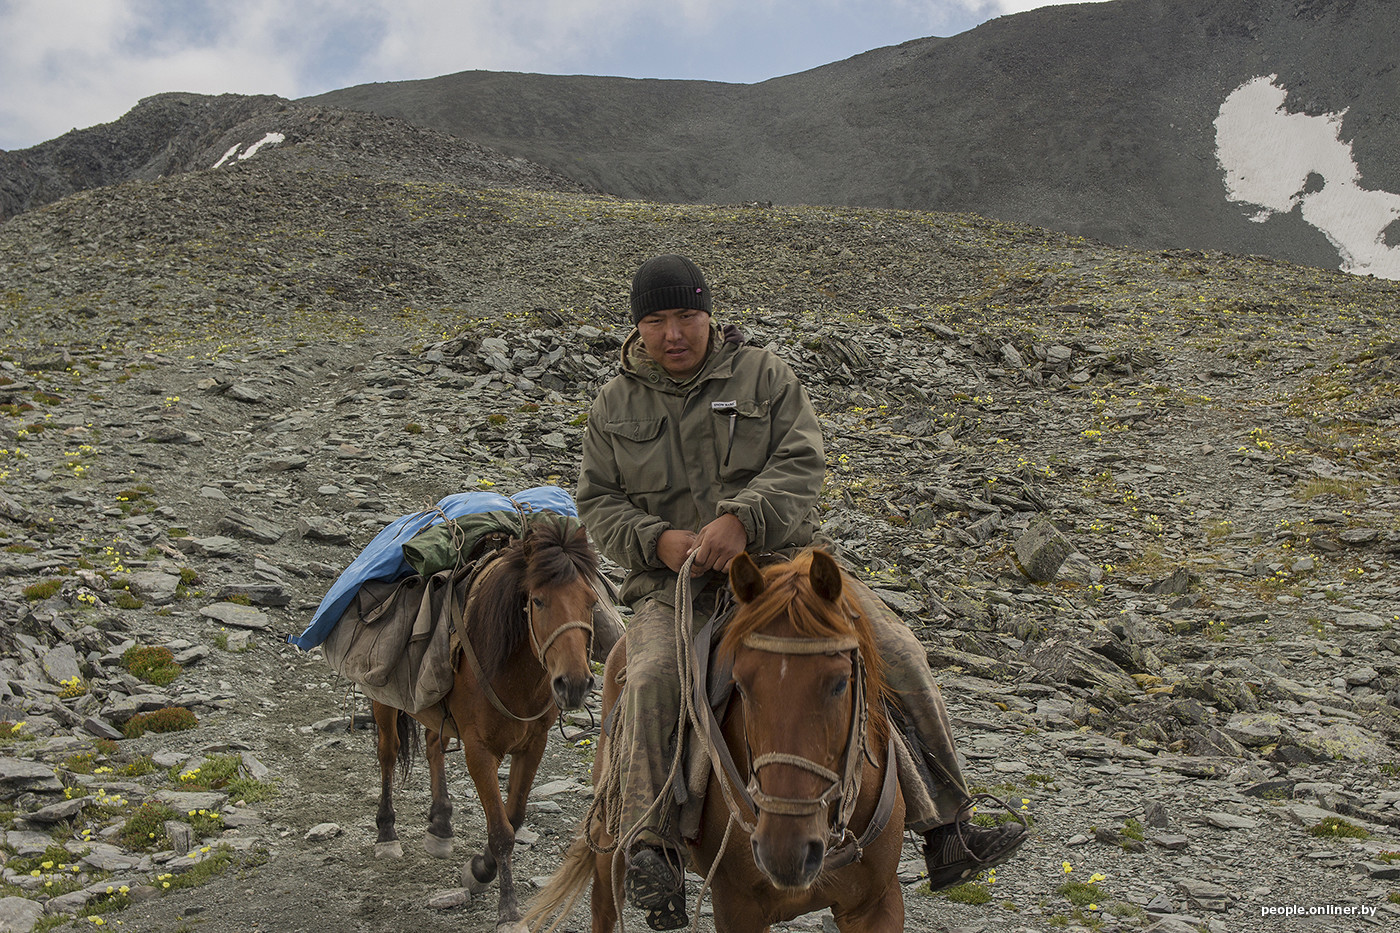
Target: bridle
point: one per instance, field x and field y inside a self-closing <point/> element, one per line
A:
<point x="540" y="649"/>
<point x="844" y="788"/>
<point x="694" y="659"/>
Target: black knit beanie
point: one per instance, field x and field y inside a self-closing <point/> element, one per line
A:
<point x="668" y="282"/>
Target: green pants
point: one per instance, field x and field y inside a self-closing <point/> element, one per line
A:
<point x="645" y="735"/>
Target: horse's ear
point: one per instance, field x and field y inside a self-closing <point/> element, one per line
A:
<point x="745" y="578"/>
<point x="826" y="576"/>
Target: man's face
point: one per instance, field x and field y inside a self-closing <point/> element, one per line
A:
<point x="677" y="339"/>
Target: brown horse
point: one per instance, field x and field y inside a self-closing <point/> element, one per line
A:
<point x="525" y="632"/>
<point x="802" y="763"/>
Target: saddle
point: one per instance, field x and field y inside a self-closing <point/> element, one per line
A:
<point x="395" y="639"/>
<point x="713" y="687"/>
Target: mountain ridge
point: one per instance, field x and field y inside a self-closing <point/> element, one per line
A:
<point x="1095" y="119"/>
<point x="1092" y="119"/>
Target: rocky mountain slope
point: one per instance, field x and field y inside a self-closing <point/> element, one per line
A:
<point x="1142" y="507"/>
<point x="169" y="134"/>
<point x="1095" y="119"/>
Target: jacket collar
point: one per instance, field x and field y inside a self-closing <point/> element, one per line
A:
<point x="719" y="364"/>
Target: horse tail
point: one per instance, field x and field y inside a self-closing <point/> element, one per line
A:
<point x="562" y="892"/>
<point x="410" y="743"/>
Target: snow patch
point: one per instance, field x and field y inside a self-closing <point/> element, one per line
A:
<point x="228" y="155"/>
<point x="271" y="139"/>
<point x="1278" y="161"/>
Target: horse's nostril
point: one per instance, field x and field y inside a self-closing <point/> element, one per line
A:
<point x="569" y="692"/>
<point x="816" y="853"/>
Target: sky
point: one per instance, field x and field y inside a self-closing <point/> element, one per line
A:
<point x="71" y="64"/>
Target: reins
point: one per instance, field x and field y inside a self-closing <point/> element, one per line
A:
<point x="692" y="658"/>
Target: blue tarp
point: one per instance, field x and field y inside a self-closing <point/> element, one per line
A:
<point x="382" y="558"/>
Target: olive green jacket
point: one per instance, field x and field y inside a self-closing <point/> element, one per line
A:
<point x="740" y="437"/>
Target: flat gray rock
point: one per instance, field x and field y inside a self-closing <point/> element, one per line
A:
<point x="238" y="616"/>
<point x="322" y="832"/>
<point x="158" y="589"/>
<point x="58" y="812"/>
<point x="19" y="914"/>
<point x="61" y="664"/>
<point x="241" y="524"/>
<point x="18" y="775"/>
<point x="1231" y="821"/>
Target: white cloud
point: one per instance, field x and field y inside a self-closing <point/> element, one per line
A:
<point x="426" y="37"/>
<point x="74" y="64"/>
<point x="1020" y="6"/>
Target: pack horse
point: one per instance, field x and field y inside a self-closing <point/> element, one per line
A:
<point x="524" y="630"/>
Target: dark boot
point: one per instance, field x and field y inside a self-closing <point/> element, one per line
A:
<point x="958" y="851"/>
<point x="655" y="884"/>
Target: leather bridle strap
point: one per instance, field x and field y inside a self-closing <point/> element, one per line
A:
<point x="540" y="649"/>
<point x="776" y="645"/>
<point x="702" y="714"/>
<point x="851" y="848"/>
<point x="470" y="655"/>
<point x="793" y="806"/>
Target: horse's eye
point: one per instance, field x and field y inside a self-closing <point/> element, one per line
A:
<point x="537" y="602"/>
<point x="839" y="687"/>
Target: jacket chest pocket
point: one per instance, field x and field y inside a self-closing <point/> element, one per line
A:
<point x="642" y="454"/>
<point x="743" y="432"/>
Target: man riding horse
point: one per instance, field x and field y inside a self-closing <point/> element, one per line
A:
<point x="706" y="446"/>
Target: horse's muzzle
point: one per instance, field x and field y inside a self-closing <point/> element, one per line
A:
<point x="571" y="691"/>
<point x="794" y="865"/>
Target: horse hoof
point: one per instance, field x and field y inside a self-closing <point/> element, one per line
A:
<point x="470" y="882"/>
<point x="437" y="846"/>
<point x="392" y="849"/>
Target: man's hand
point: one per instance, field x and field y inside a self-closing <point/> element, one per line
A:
<point x="717" y="544"/>
<point x="673" y="547"/>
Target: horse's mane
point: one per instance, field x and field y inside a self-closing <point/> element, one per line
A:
<point x="553" y="552"/>
<point x="788" y="594"/>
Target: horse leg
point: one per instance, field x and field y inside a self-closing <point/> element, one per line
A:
<point x="438" y="840"/>
<point x="523" y="767"/>
<point x="883" y="916"/>
<point x="478" y="873"/>
<point x="386" y="844"/>
<point x="524" y="763"/>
